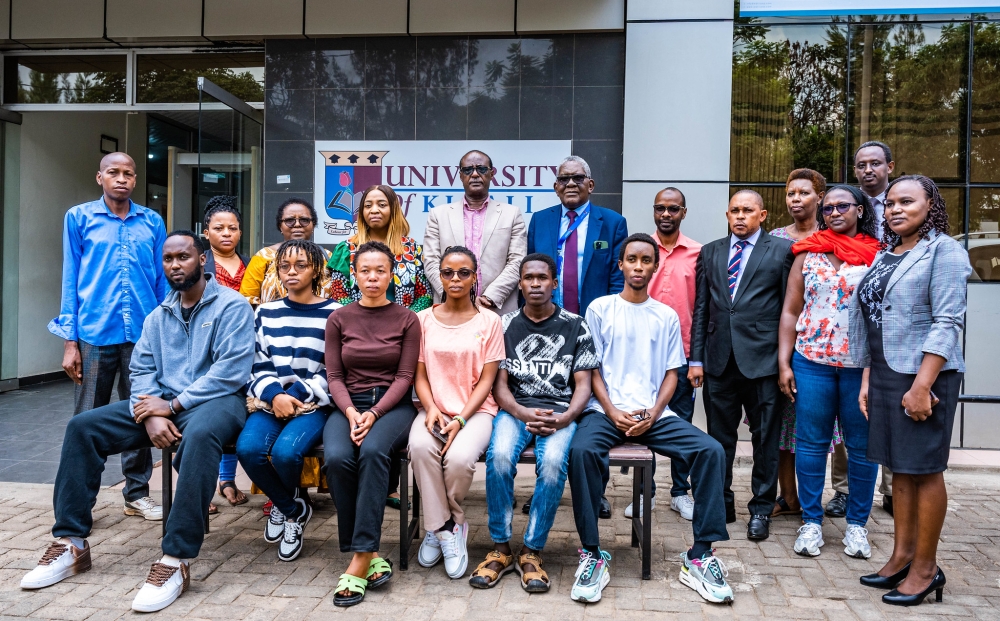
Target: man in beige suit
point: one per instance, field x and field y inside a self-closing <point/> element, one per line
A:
<point x="493" y="231"/>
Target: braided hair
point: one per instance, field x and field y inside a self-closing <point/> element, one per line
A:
<point x="222" y="204"/>
<point x="937" y="215"/>
<point x="462" y="250"/>
<point x="866" y="221"/>
<point x="314" y="256"/>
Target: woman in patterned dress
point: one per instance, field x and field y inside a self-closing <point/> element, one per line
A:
<point x="815" y="368"/>
<point x="381" y="219"/>
<point x="804" y="191"/>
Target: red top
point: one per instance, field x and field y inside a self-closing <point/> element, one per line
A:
<point x="380" y="346"/>
<point x="233" y="282"/>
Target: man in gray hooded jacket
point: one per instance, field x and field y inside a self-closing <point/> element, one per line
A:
<point x="188" y="372"/>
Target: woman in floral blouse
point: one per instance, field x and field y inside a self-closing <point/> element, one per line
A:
<point x="381" y="219"/>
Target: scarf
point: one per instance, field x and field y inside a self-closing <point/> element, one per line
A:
<point x="858" y="250"/>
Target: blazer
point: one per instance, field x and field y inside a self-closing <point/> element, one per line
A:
<point x="504" y="244"/>
<point x="209" y="267"/>
<point x="923" y="308"/>
<point x="601" y="275"/>
<point x="747" y="326"/>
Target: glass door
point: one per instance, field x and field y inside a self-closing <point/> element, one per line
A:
<point x="229" y="160"/>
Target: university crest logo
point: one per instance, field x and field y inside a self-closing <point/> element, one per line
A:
<point x="348" y="173"/>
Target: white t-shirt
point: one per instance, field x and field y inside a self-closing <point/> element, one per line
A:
<point x="636" y="344"/>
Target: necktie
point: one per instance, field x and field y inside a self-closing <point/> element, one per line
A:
<point x="734" y="266"/>
<point x="571" y="284"/>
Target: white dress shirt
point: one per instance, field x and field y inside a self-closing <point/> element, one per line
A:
<point x="581" y="242"/>
<point x="751" y="242"/>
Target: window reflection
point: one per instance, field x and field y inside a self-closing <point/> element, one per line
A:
<point x="65" y="79"/>
<point x="984" y="233"/>
<point x="985" y="161"/>
<point x="173" y="78"/>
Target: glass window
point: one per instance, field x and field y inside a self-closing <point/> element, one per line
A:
<point x="984" y="233"/>
<point x="788" y="101"/>
<point x="774" y="202"/>
<point x="65" y="79"/>
<point x="908" y="90"/>
<point x="985" y="160"/>
<point x="173" y="78"/>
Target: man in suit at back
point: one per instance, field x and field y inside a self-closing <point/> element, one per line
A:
<point x="583" y="238"/>
<point x="741" y="282"/>
<point x="492" y="230"/>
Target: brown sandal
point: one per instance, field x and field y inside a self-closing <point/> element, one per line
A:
<point x="486" y="578"/>
<point x="532" y="581"/>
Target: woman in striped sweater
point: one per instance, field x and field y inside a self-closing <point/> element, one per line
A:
<point x="288" y="391"/>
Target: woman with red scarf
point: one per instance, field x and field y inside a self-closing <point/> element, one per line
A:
<point x="815" y="369"/>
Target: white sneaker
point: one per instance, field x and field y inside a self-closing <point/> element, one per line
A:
<point x="60" y="561"/>
<point x="274" y="527"/>
<point x="707" y="575"/>
<point x="628" y="509"/>
<point x="164" y="584"/>
<point x="291" y="541"/>
<point x="453" y="548"/>
<point x="810" y="540"/>
<point x="146" y="507"/>
<point x="683" y="505"/>
<point x="592" y="575"/>
<point x="856" y="542"/>
<point x="429" y="553"/>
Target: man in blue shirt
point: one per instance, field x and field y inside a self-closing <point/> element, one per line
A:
<point x="112" y="279"/>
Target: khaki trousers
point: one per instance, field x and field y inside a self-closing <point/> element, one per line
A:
<point x="444" y="481"/>
<point x="838" y="473"/>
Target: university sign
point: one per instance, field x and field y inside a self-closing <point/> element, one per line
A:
<point x="425" y="174"/>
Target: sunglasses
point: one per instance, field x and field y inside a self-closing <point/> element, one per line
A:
<point x="291" y="222"/>
<point x="468" y="170"/>
<point x="671" y="209"/>
<point x="463" y="274"/>
<point x="840" y="207"/>
<point x="565" y="179"/>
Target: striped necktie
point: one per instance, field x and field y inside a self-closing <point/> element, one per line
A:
<point x="734" y="266"/>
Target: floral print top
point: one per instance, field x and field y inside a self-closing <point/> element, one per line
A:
<point x="823" y="326"/>
<point x="409" y="286"/>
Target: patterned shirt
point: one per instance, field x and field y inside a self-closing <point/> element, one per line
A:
<point x="409" y="286"/>
<point x="823" y="325"/>
<point x="234" y="281"/>
<point x="475" y="221"/>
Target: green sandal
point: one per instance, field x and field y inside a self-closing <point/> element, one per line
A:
<point x="356" y="586"/>
<point x="382" y="566"/>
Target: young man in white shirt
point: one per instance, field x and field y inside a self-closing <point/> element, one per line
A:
<point x="639" y="345"/>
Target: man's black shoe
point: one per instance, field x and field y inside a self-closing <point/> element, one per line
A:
<point x="887" y="504"/>
<point x="526" y="507"/>
<point x="837" y="507"/>
<point x="605" y="513"/>
<point x="759" y="528"/>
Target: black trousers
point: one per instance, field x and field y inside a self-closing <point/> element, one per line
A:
<point x="108" y="430"/>
<point x="728" y="395"/>
<point x="670" y="436"/>
<point x="359" y="475"/>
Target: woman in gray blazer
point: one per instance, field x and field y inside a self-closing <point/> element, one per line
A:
<point x="906" y="318"/>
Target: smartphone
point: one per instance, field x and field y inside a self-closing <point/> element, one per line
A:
<point x="436" y="430"/>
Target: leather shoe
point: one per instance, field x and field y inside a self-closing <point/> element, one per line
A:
<point x="887" y="504"/>
<point x="837" y="507"/>
<point x="895" y="598"/>
<point x="526" y="507"/>
<point x="876" y="581"/>
<point x="605" y="512"/>
<point x="759" y="528"/>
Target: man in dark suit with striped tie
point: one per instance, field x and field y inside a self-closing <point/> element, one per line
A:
<point x="734" y="346"/>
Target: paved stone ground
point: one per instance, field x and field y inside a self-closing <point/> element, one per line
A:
<point x="238" y="576"/>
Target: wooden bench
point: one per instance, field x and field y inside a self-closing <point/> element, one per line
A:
<point x="631" y="455"/>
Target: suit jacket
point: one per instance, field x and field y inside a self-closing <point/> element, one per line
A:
<point x="923" y="308"/>
<point x="503" y="246"/>
<point x="748" y="325"/>
<point x="209" y="267"/>
<point x="601" y="275"/>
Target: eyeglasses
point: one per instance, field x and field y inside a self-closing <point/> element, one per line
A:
<point x="300" y="266"/>
<point x="463" y="274"/>
<point x="468" y="170"/>
<point x="293" y="222"/>
<point x="671" y="209"/>
<point x="840" y="207"/>
<point x="577" y="179"/>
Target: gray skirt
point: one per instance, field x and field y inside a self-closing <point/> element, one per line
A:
<point x="897" y="441"/>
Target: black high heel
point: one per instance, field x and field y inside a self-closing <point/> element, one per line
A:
<point x="895" y="598"/>
<point x="876" y="581"/>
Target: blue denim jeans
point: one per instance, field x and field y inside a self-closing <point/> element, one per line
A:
<point x="509" y="439"/>
<point x="825" y="393"/>
<point x="271" y="451"/>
